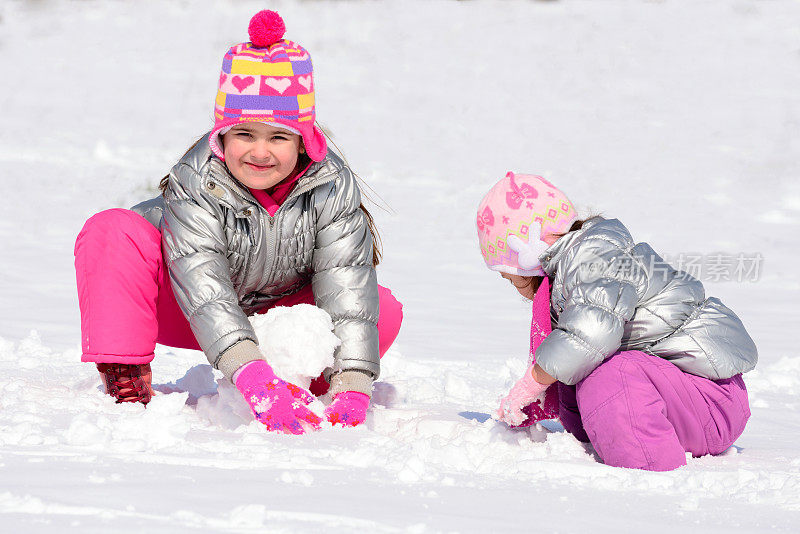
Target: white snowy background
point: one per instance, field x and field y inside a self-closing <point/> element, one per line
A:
<point x="681" y="118"/>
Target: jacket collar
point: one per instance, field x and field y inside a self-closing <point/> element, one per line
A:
<point x="212" y="169"/>
<point x="555" y="252"/>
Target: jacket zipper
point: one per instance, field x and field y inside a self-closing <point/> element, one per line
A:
<point x="272" y="241"/>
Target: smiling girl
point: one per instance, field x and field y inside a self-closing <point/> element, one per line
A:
<point x="256" y="214"/>
<point x="261" y="156"/>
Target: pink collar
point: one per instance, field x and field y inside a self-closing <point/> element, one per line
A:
<point x="272" y="201"/>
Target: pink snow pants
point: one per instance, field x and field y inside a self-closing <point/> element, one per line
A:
<point x="126" y="300"/>
<point x="642" y="412"/>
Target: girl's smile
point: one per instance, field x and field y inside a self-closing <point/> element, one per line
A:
<point x="259" y="168"/>
<point x="260" y="156"/>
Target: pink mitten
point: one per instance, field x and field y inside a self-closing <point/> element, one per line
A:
<point x="541" y="409"/>
<point x="349" y="408"/>
<point x="280" y="405"/>
<point x="526" y="392"/>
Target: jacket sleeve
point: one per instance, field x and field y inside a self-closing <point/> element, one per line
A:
<point x="344" y="281"/>
<point x="598" y="304"/>
<point x="195" y="251"/>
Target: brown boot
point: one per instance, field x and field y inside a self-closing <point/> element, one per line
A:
<point x="127" y="382"/>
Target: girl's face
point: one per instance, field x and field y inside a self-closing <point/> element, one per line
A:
<point x="523" y="284"/>
<point x="260" y="156"/>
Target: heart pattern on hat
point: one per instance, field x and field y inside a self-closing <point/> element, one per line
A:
<point x="269" y="80"/>
<point x="305" y="81"/>
<point x="242" y="83"/>
<point x="279" y="84"/>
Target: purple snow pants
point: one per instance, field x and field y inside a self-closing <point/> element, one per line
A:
<point x="642" y="412"/>
<point x="126" y="298"/>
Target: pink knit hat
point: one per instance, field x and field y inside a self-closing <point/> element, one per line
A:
<point x="267" y="80"/>
<point x="514" y="219"/>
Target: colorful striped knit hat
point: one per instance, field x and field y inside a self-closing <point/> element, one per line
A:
<point x="517" y="218"/>
<point x="267" y="80"/>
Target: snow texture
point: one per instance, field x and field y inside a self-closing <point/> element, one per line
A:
<point x="297" y="341"/>
<point x="680" y="118"/>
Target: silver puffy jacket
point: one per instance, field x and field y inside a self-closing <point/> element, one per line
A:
<point x="228" y="257"/>
<point x="610" y="294"/>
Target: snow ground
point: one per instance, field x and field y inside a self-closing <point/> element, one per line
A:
<point x="680" y="118"/>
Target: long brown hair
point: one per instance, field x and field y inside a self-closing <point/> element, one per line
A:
<point x="577" y="225"/>
<point x="162" y="185"/>
<point x="377" y="243"/>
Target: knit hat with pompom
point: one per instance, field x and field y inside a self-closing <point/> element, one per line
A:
<point x="269" y="80"/>
<point x="518" y="219"/>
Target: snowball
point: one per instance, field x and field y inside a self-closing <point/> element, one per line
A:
<point x="298" y="341"/>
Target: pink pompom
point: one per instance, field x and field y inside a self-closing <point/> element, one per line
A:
<point x="266" y="27"/>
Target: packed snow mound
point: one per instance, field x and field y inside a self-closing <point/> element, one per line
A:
<point x="297" y="341"/>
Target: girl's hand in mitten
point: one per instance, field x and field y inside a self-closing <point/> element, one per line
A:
<point x="527" y="391"/>
<point x="349" y="408"/>
<point x="279" y="405"/>
<point x="543" y="408"/>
